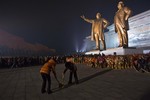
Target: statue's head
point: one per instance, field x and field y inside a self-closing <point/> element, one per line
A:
<point x="120" y="5"/>
<point x="98" y="15"/>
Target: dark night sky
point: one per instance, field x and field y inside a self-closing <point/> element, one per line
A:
<point x="57" y="23"/>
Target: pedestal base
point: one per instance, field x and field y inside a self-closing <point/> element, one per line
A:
<point x="92" y="52"/>
<point x="117" y="51"/>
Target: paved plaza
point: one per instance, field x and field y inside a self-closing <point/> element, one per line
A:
<point x="94" y="84"/>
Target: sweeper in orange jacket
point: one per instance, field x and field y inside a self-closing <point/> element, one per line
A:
<point x="45" y="73"/>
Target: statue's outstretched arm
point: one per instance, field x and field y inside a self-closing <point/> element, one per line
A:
<point x="87" y="20"/>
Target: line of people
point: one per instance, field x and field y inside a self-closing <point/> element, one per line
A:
<point x="17" y="62"/>
<point x="137" y="61"/>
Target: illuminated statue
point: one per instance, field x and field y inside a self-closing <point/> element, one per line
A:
<point x="121" y="24"/>
<point x="98" y="26"/>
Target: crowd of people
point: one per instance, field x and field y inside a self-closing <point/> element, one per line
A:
<point x="140" y="62"/>
<point x="14" y="62"/>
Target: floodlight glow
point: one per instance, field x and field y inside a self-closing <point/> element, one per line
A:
<point x="76" y="46"/>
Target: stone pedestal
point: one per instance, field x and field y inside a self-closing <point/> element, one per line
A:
<point x="92" y="52"/>
<point x="118" y="51"/>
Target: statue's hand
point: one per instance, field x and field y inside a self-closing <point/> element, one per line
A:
<point x="83" y="16"/>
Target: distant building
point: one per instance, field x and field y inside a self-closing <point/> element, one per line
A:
<point x="138" y="34"/>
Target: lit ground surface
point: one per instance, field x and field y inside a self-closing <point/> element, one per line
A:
<point x="94" y="84"/>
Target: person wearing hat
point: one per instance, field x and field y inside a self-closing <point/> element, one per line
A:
<point x="45" y="73"/>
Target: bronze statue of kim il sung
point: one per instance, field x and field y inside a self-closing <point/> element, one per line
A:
<point x="98" y="26"/>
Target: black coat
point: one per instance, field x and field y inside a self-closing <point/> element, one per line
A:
<point x="71" y="66"/>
